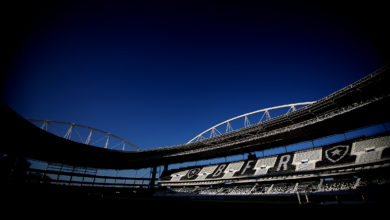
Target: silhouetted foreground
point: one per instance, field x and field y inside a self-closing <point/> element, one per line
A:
<point x="51" y="198"/>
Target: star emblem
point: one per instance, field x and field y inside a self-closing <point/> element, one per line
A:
<point x="336" y="153"/>
<point x="192" y="173"/>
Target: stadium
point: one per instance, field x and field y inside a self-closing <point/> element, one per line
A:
<point x="333" y="151"/>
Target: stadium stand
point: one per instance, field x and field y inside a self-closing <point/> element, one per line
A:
<point x="344" y="184"/>
<point x="262" y="165"/>
<point x="231" y="169"/>
<point x="332" y="172"/>
<point x="206" y="171"/>
<point x="370" y="150"/>
<point x="310" y="186"/>
<point x="363" y="151"/>
<point x="306" y="160"/>
<point x="338" y="185"/>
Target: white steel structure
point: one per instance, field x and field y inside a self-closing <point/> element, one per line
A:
<point x="264" y="115"/>
<point x="84" y="134"/>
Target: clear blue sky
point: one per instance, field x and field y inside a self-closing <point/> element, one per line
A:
<point x="158" y="73"/>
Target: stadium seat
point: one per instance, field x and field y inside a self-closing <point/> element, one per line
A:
<point x="262" y="165"/>
<point x="205" y="171"/>
<point x="232" y="168"/>
<point x="306" y="160"/>
<point x="370" y="150"/>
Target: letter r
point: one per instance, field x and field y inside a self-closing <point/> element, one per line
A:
<point x="283" y="162"/>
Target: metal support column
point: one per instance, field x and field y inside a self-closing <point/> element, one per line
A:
<point x="299" y="198"/>
<point x="153" y="180"/>
<point x="307" y="198"/>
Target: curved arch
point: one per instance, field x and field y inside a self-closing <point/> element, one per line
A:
<point x="91" y="130"/>
<point x="214" y="131"/>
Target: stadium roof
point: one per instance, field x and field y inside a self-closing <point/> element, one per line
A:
<point x="362" y="103"/>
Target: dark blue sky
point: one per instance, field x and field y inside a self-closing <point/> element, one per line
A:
<point x="159" y="73"/>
